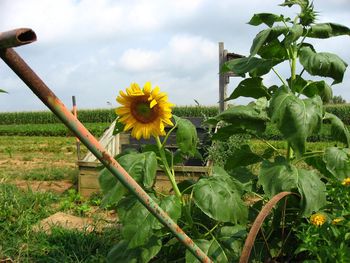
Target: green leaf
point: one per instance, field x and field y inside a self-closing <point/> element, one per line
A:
<point x="232" y="238"/>
<point x="312" y="88"/>
<point x="141" y="166"/>
<point x="120" y="253"/>
<point x="113" y="191"/>
<point x="296" y="118"/>
<point x="312" y="191"/>
<point x="266" y="18"/>
<point x="212" y="248"/>
<point x="338" y="129"/>
<point x="132" y="215"/>
<point x="277" y="177"/>
<point x="250" y="87"/>
<point x="251" y="118"/>
<point x="172" y="206"/>
<point x="295" y="32"/>
<point x="266" y="36"/>
<point x="118" y="128"/>
<point x="318" y="163"/>
<point x="3" y="91"/>
<point x="273" y="49"/>
<point x="186" y="136"/>
<point x="302" y="3"/>
<point x="327" y="30"/>
<point x="213" y="193"/>
<point x="241" y="157"/>
<point x="322" y="64"/>
<point x="258" y="66"/>
<point x="337" y="162"/>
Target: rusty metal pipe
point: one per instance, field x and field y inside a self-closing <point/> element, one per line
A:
<point x="24" y="72"/>
<point x="17" y="37"/>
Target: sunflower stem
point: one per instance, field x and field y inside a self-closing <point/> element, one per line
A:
<point x="167" y="169"/>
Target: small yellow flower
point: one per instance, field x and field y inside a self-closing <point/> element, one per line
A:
<point x="337" y="220"/>
<point x="318" y="219"/>
<point x="145" y="111"/>
<point x="346" y="182"/>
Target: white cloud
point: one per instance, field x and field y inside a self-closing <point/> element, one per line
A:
<point x="136" y="60"/>
<point x="93" y="48"/>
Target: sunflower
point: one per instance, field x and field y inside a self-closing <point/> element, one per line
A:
<point x="145" y="111"/>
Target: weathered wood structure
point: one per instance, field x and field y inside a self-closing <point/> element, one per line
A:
<point x="224" y="79"/>
<point x="89" y="166"/>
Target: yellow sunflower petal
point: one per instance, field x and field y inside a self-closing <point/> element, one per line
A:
<point x="147" y="88"/>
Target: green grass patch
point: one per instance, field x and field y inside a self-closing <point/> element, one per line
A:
<point x="20" y="211"/>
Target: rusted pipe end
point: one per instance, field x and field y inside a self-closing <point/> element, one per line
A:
<point x="17" y="37"/>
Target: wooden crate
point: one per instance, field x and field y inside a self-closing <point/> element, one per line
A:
<point x="89" y="166"/>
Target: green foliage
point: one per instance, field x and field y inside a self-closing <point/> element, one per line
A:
<point x="48" y="130"/>
<point x="217" y="210"/>
<point x="95" y="115"/>
<point x="186" y="136"/>
<point x="337" y="100"/>
<point x="212" y="193"/>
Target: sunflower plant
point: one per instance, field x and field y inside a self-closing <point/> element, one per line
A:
<point x="218" y="210"/>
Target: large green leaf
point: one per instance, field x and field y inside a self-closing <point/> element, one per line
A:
<point x="296" y="118"/>
<point x="239" y="127"/>
<point x="213" y="193"/>
<point x="113" y="191"/>
<point x="318" y="163"/>
<point x="339" y="131"/>
<point x="132" y="215"/>
<point x="121" y="253"/>
<point x="249" y="118"/>
<point x="265" y="36"/>
<point x="172" y="206"/>
<point x="312" y="191"/>
<point x="273" y="49"/>
<point x="337" y="162"/>
<point x="232" y="238"/>
<point x="141" y="166"/>
<point x="186" y="136"/>
<point x="265" y="18"/>
<point x="282" y="176"/>
<point x="258" y="66"/>
<point x="295" y="32"/>
<point x="277" y="177"/>
<point x="242" y="156"/>
<point x="326" y="30"/>
<point x="250" y="87"/>
<point x="212" y="248"/>
<point x="312" y="88"/>
<point x="322" y="64"/>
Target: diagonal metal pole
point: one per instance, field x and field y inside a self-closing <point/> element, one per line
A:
<point x="24" y="72"/>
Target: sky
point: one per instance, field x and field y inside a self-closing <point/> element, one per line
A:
<point x="93" y="49"/>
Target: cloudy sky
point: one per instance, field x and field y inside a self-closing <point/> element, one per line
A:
<point x="92" y="49"/>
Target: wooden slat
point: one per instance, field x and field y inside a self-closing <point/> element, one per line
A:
<point x="87" y="192"/>
<point x="89" y="181"/>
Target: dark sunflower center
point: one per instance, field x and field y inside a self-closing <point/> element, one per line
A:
<point x="142" y="111"/>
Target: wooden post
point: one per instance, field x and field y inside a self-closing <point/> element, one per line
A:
<point x="222" y="79"/>
<point x="76" y="116"/>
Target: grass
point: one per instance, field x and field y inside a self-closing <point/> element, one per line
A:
<point x="38" y="158"/>
<point x="19" y="211"/>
